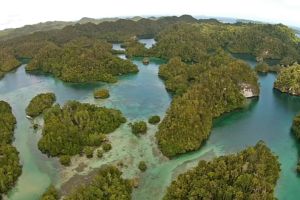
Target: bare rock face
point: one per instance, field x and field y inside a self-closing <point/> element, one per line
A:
<point x="248" y="91"/>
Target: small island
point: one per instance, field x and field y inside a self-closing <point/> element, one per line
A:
<point x="139" y="127"/>
<point x="142" y="166"/>
<point x="146" y="61"/>
<point x="288" y="80"/>
<point x="250" y="174"/>
<point x="155" y="119"/>
<point x="77" y="128"/>
<point x="101" y="94"/>
<point x="40" y="103"/>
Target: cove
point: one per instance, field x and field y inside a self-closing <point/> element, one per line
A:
<point x="139" y="96"/>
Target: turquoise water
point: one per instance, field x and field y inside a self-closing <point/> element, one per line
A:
<point x="139" y="96"/>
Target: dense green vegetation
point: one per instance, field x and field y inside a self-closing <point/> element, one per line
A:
<point x="296" y="131"/>
<point x="262" y="67"/>
<point x="142" y="166"/>
<point x="10" y="168"/>
<point x="65" y="160"/>
<point x="139" y="127"/>
<point x="183" y="36"/>
<point x="7" y="62"/>
<point x="107" y="184"/>
<point x="192" y="42"/>
<point x="134" y="48"/>
<point x="106" y="147"/>
<point x="39" y="103"/>
<point x="248" y="175"/>
<point x="81" y="60"/>
<point x="288" y="80"/>
<point x="155" y="119"/>
<point x="101" y="94"/>
<point x="203" y="91"/>
<point x="50" y="194"/>
<point x="68" y="130"/>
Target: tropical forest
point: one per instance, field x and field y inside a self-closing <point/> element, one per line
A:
<point x="146" y="107"/>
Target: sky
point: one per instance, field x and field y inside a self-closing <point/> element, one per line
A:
<point x="17" y="13"/>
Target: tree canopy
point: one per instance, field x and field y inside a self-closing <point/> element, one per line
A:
<point x="203" y="91"/>
<point x="81" y="60"/>
<point x="288" y="80"/>
<point x="10" y="168"/>
<point x="68" y="130"/>
<point x="107" y="184"/>
<point x="248" y="175"/>
<point x="39" y="103"/>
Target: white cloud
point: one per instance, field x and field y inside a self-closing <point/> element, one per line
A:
<point x="15" y="13"/>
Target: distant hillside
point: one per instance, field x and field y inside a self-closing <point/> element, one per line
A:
<point x="28" y="29"/>
<point x="46" y="26"/>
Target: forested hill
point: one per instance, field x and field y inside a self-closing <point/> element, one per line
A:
<point x="183" y="36"/>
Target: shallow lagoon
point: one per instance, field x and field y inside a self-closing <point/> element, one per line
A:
<point x="139" y="96"/>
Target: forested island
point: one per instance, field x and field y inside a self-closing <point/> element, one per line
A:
<point x="39" y="103"/>
<point x="81" y="60"/>
<point x="66" y="52"/>
<point x="101" y="94"/>
<point x="288" y="80"/>
<point x="10" y="167"/>
<point x="77" y="128"/>
<point x="203" y="78"/>
<point x="250" y="174"/>
<point x="106" y="184"/>
<point x="203" y="92"/>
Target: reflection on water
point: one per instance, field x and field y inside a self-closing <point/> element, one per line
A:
<point x="147" y="42"/>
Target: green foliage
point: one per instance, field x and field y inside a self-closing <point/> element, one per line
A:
<point x="265" y="41"/>
<point x="192" y="42"/>
<point x="134" y="48"/>
<point x="248" y="175"/>
<point x="40" y="103"/>
<point x="142" y="166"/>
<point x="288" y="80"/>
<point x="89" y="151"/>
<point x="101" y="94"/>
<point x="10" y="168"/>
<point x="154" y="119"/>
<point x="81" y="60"/>
<point x="50" y="194"/>
<point x="262" y="67"/>
<point x="7" y="123"/>
<point x="7" y="62"/>
<point x="107" y="184"/>
<point x="106" y="147"/>
<point x="65" y="160"/>
<point x="203" y="92"/>
<point x="99" y="153"/>
<point x="139" y="127"/>
<point x="69" y="129"/>
<point x="296" y="126"/>
<point x="296" y="131"/>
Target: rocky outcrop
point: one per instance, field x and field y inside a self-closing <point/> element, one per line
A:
<point x="248" y="91"/>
